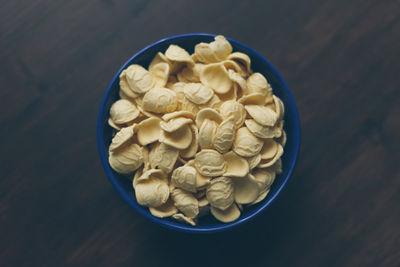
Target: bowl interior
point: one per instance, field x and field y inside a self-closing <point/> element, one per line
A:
<point x="259" y="64"/>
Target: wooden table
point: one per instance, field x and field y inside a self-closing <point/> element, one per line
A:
<point x="341" y="61"/>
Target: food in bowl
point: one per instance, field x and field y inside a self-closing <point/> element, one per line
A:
<point x="202" y="133"/>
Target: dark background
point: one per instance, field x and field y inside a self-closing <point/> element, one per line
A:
<point x="341" y="61"/>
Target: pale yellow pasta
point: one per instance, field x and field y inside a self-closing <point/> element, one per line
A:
<point x="224" y="135"/>
<point x="236" y="166"/>
<point x="200" y="134"/>
<point x="123" y="111"/>
<point x="216" y="77"/>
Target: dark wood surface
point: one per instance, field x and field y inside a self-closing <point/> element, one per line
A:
<point x="341" y="61"/>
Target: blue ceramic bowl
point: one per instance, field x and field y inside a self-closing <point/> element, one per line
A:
<point x="258" y="64"/>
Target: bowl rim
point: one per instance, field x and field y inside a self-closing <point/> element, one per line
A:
<point x="179" y="226"/>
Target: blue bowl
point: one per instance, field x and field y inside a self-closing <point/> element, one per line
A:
<point x="258" y="64"/>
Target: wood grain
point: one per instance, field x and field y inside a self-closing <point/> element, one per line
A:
<point x="341" y="61"/>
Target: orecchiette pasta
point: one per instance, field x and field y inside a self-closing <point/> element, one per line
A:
<point x="198" y="133"/>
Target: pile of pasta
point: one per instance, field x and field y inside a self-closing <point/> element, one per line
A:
<point x="197" y="133"/>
